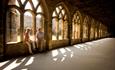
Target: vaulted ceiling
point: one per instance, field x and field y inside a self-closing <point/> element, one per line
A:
<point x="102" y="10"/>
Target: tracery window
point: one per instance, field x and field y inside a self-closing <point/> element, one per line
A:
<point x="59" y="24"/>
<point x="76" y="26"/>
<point x="96" y="30"/>
<point x="100" y="30"/>
<point x="13" y="26"/>
<point x="92" y="32"/>
<point x="31" y="11"/>
<point x="85" y="27"/>
<point x="103" y="30"/>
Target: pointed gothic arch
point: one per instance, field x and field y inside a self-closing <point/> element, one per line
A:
<point x="12" y="26"/>
<point x="76" y="25"/>
<point x="59" y="23"/>
<point x="85" y="27"/>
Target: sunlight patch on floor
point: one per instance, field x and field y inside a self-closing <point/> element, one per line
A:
<point x="77" y="46"/>
<point x="14" y="64"/>
<point x="55" y="59"/>
<point x="54" y="53"/>
<point x="62" y="50"/>
<point x="3" y="63"/>
<point x="30" y="61"/>
<point x="24" y="69"/>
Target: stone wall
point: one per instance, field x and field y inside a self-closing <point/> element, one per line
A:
<point x="1" y="28"/>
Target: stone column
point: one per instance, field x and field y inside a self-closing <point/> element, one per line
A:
<point x="81" y="29"/>
<point x="89" y="28"/>
<point x="34" y="25"/>
<point x="22" y="26"/>
<point x="70" y="30"/>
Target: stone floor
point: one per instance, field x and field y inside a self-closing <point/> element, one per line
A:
<point x="95" y="55"/>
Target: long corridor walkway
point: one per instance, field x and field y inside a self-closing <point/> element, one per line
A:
<point x="95" y="55"/>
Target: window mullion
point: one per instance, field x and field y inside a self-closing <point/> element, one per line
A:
<point x="57" y="35"/>
<point x="74" y="28"/>
<point x="63" y="24"/>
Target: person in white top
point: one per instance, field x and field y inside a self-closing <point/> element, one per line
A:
<point x="40" y="38"/>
